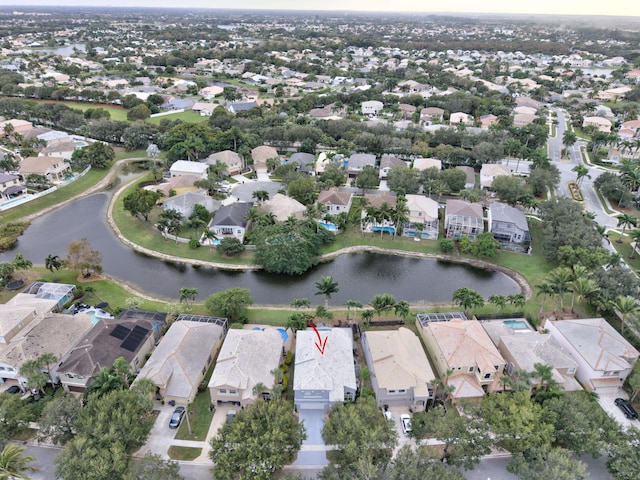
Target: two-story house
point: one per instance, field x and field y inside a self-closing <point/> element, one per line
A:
<point x="507" y="224"/>
<point x="10" y="186"/>
<point x="231" y="159"/>
<point x="185" y="167"/>
<point x="387" y="162"/>
<point x="54" y="169"/>
<point x="605" y="358"/>
<point x="463" y="355"/>
<point x="490" y="171"/>
<point x="400" y="371"/>
<point x="423" y="217"/>
<point x="335" y="201"/>
<point x="463" y="219"/>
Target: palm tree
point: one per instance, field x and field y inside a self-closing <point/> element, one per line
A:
<point x="13" y="463"/>
<point x="401" y="214"/>
<point x="188" y="295"/>
<point x="626" y="220"/>
<point x="560" y="278"/>
<point x="625" y="306"/>
<point x="582" y="288"/>
<point x="367" y="315"/>
<point x="298" y="303"/>
<point x="52" y="262"/>
<point x="545" y="288"/>
<point x="467" y="298"/>
<point x="581" y="172"/>
<point x="498" y="300"/>
<point x="382" y="302"/>
<point x="352" y="304"/>
<point x="569" y="138"/>
<point x="47" y="359"/>
<point x="260" y="195"/>
<point x="211" y="236"/>
<point x="635" y="237"/>
<point x="544" y="373"/>
<point x="402" y="309"/>
<point x="517" y="300"/>
<point x="326" y="286"/>
<point x="171" y="222"/>
<point x="384" y="212"/>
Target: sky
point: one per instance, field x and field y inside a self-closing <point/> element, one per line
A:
<point x="577" y="7"/>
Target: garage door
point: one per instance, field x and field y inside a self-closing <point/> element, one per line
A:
<point x="311" y="406"/>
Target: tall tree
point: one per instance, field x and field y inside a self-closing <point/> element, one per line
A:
<point x="58" y="419"/>
<point x="188" y="295"/>
<point x="625" y="306"/>
<point x="547" y="462"/>
<point x="52" y="262"/>
<point x="14" y="463"/>
<point x="82" y="258"/>
<point x="326" y="286"/>
<point x="231" y="303"/>
<point x="467" y="298"/>
<point x="140" y="202"/>
<point x="382" y="303"/>
<point x="560" y="278"/>
<point x="626" y="220"/>
<point x="154" y="467"/>
<point x="259" y="441"/>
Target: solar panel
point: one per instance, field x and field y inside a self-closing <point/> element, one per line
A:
<point x="120" y="332"/>
<point x="134" y="339"/>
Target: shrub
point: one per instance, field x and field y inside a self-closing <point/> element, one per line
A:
<point x="446" y="245"/>
<point x="230" y="246"/>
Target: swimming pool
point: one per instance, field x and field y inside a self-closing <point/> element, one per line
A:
<point x="384" y="229"/>
<point x="332" y="227"/>
<point x="96" y="314"/>
<point x="283" y="332"/>
<point x="80" y="144"/>
<point x="517" y="324"/>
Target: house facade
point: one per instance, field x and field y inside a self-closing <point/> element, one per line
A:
<point x="387" y="162"/>
<point x="54" y="169"/>
<point x="423" y="218"/>
<point x="231" y="220"/>
<point x="371" y="108"/>
<point x="463" y="219"/>
<point x="400" y="371"/>
<point x="185" y="202"/>
<point x="604" y="357"/>
<point x="247" y="358"/>
<point x="10" y="186"/>
<point x="490" y="171"/>
<point x="335" y="201"/>
<point x="231" y="159"/>
<point x="324" y="378"/>
<point x="507" y="224"/>
<point x="185" y="167"/>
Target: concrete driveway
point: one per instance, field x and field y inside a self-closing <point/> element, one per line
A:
<point x="313" y="451"/>
<point x="606" y="401"/>
<point x="161" y="435"/>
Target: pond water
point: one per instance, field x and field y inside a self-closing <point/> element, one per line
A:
<point x="63" y="51"/>
<point x="360" y="276"/>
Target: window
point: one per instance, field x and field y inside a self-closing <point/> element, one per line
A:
<point x="233" y="392"/>
<point x="223" y="390"/>
<point x="571" y="370"/>
<point x="487" y="376"/>
<point x="470" y="369"/>
<point x="391" y="391"/>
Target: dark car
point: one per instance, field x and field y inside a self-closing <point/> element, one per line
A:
<point x="626" y="408"/>
<point x="176" y="418"/>
<point x="13" y="389"/>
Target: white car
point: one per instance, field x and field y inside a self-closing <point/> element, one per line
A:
<point x="405" y="421"/>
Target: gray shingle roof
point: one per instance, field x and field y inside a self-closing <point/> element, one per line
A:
<point x="502" y="212"/>
<point x="234" y="214"/>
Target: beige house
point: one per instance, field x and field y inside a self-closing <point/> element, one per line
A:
<point x="61" y="148"/>
<point x="247" y="358"/>
<point x="523" y="119"/>
<point x="400" y="371"/>
<point x="601" y="123"/>
<point x="261" y="154"/>
<point x="335" y="202"/>
<point x="460" y="117"/>
<point x="464" y="348"/>
<point x="423" y="212"/>
<point x="283" y="207"/>
<point x="185" y="167"/>
<point x="231" y="159"/>
<point x="182" y="358"/>
<point x="463" y="219"/>
<point x="54" y="333"/>
<point x="19" y="312"/>
<point x="10" y="186"/>
<point x="604" y="357"/>
<point x="54" y="169"/>
<point x="490" y="171"/>
<point x="18" y="126"/>
<point x="424" y="163"/>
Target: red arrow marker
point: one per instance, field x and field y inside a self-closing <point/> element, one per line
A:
<point x="320" y="344"/>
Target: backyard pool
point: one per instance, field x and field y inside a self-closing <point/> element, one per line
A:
<point x="384" y="229"/>
<point x="517" y="324"/>
<point x="80" y="144"/>
<point x="328" y="226"/>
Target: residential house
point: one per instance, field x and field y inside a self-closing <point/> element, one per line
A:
<point x="487" y="120"/>
<point x="210" y="92"/>
<point x="19" y="312"/>
<point x="463" y="356"/>
<point x="507" y="224"/>
<point x="54" y="169"/>
<point x="387" y="162"/>
<point x="52" y="333"/>
<point x="17" y="126"/>
<point x="231" y="220"/>
<point x="186" y="201"/>
<point x="261" y="154"/>
<point x="431" y="115"/>
<point x="633" y="125"/>
<point x="613" y="94"/>
<point x="335" y="201"/>
<point x="605" y="358"/>
<point x="471" y="176"/>
<point x="231" y="159"/>
<point x="600" y="123"/>
<point x="524" y="101"/>
<point x="63" y="148"/>
<point x="283" y="207"/>
<point x="490" y="171"/>
<point x="424" y="163"/>
<point x="306" y="162"/>
<point x="463" y="219"/>
<point x="423" y="218"/>
<point x="247" y="358"/>
<point x="10" y="186"/>
<point x="406" y="111"/>
<point x="400" y="371"/>
<point x="460" y="117"/>
<point x="173" y="185"/>
<point x="375" y="201"/>
<point x="180" y="361"/>
<point x="522" y="348"/>
<point x="525" y="110"/>
<point x="324" y="374"/>
<point x="371" y="108"/>
<point x="131" y="336"/>
<point x="204" y="109"/>
<point x="523" y="119"/>
<point x="241" y="106"/>
<point x="357" y="162"/>
<point x="185" y="167"/>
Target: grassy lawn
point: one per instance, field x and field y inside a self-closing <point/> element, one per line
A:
<point x="200" y="419"/>
<point x="72" y="189"/>
<point x="117" y="113"/>
<point x="186" y="116"/>
<point x="184" y="453"/>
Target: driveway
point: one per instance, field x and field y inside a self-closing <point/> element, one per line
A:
<point x="161" y="436"/>
<point x="606" y="402"/>
<point x="313" y="451"/>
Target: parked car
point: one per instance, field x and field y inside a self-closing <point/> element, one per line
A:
<point x="176" y="418"/>
<point x="231" y="414"/>
<point x="405" y="421"/>
<point x="13" y="389"/>
<point x="626" y="408"/>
